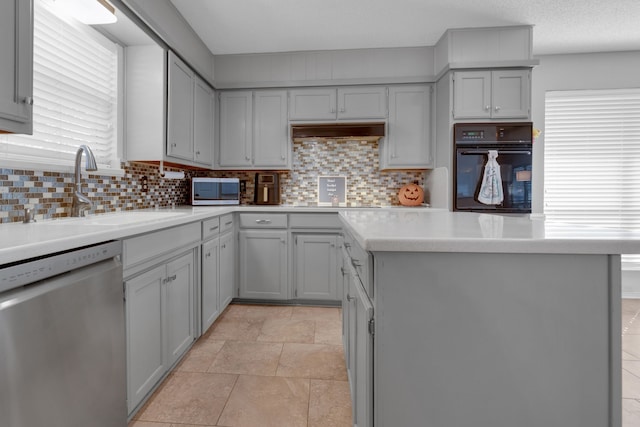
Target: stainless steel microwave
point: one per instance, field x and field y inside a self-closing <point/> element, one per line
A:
<point x="215" y="191"/>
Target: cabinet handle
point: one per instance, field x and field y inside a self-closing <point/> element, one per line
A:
<point x="224" y="246"/>
<point x="208" y="254"/>
<point x="282" y="241"/>
<point x="27" y="100"/>
<point x="197" y="153"/>
<point x="350" y="298"/>
<point x="333" y="110"/>
<point x="487" y="107"/>
<point x="213" y="228"/>
<point x="247" y="158"/>
<point x="282" y="157"/>
<point x="263" y="221"/>
<point x="172" y="278"/>
<point x="347" y="245"/>
<point x="343" y="271"/>
<point x="356" y="262"/>
<point x="228" y="223"/>
<point x="174" y="145"/>
<point x="497" y="108"/>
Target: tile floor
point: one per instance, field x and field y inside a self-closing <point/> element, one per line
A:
<point x="268" y="366"/>
<point x="284" y="366"/>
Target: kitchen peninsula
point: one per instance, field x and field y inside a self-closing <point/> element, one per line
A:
<point x="485" y="320"/>
<point x="450" y="318"/>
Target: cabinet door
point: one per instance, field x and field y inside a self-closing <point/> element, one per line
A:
<point x="472" y="95"/>
<point x="236" y="129"/>
<point x="510" y="93"/>
<point x="271" y="146"/>
<point x="179" y="306"/>
<point x="363" y="399"/>
<point x="227" y="269"/>
<point x="315" y="263"/>
<point x="263" y="264"/>
<point x="16" y="67"/>
<point x="210" y="282"/>
<point x="180" y="109"/>
<point x="408" y="142"/>
<point x="203" y="118"/>
<point x="312" y="104"/>
<point x="366" y="102"/>
<point x="145" y="345"/>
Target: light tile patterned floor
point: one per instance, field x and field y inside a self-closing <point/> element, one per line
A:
<point x="283" y="366"/>
<point x="258" y="366"/>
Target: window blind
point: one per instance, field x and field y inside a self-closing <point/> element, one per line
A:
<point x="74" y="90"/>
<point x="592" y="159"/>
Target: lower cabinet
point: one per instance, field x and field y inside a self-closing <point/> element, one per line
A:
<point x="263" y="264"/>
<point x="210" y="282"/>
<point x="227" y="269"/>
<point x="315" y="260"/>
<point x="160" y="322"/>
<point x="358" y="335"/>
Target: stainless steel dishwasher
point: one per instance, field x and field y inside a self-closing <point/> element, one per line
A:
<point x="62" y="340"/>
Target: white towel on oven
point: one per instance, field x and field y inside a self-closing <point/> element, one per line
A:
<point x="491" y="188"/>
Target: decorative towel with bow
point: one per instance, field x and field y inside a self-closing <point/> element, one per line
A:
<point x="491" y="188"/>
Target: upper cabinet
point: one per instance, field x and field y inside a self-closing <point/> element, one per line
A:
<point x="189" y="115"/>
<point x="16" y="66"/>
<point x="347" y="103"/>
<point x="408" y="144"/>
<point x="170" y="110"/>
<point x="254" y="130"/>
<point x="496" y="94"/>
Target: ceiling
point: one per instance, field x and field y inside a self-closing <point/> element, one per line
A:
<point x="560" y="26"/>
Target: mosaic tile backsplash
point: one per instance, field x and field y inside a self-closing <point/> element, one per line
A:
<point x="49" y="194"/>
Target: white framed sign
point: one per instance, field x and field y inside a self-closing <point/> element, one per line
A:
<point x="332" y="191"/>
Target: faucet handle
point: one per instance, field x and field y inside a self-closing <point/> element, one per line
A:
<point x="28" y="216"/>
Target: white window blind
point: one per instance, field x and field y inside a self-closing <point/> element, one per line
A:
<point x="75" y="93"/>
<point x="592" y="159"/>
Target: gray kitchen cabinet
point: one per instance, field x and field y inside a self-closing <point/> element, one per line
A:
<point x="312" y="104"/>
<point x="160" y="323"/>
<point x="236" y="129"/>
<point x="263" y="264"/>
<point x="315" y="261"/>
<point x="271" y="146"/>
<point x="408" y="143"/>
<point x="180" y="109"/>
<point x="16" y="67"/>
<point x="358" y="335"/>
<point x="254" y="130"/>
<point x="146" y="361"/>
<point x="169" y="110"/>
<point x="345" y="103"/>
<point x="203" y="122"/>
<point x="159" y="278"/>
<point x="227" y="269"/>
<point x="189" y="114"/>
<point x="492" y="94"/>
<point x="180" y="285"/>
<point x="210" y="282"/>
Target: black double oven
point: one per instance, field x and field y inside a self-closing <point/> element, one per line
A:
<point x="513" y="143"/>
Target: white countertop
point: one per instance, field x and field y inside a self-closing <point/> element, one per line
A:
<point x="428" y="230"/>
<point x="376" y="229"/>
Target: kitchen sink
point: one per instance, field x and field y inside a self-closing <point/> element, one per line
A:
<point x="119" y="218"/>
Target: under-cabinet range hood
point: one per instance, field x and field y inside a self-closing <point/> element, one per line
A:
<point x="338" y="131"/>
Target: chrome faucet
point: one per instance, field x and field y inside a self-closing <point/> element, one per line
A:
<point x="81" y="202"/>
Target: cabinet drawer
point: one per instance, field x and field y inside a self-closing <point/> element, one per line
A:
<point x="226" y="223"/>
<point x="210" y="227"/>
<point x="313" y="220"/>
<point x="149" y="246"/>
<point x="263" y="220"/>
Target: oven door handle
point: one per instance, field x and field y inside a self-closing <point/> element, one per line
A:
<point x="469" y="152"/>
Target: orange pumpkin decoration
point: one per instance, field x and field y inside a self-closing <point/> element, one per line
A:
<point x="411" y="195"/>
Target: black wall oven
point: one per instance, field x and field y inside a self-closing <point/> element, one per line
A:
<point x="472" y="142"/>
